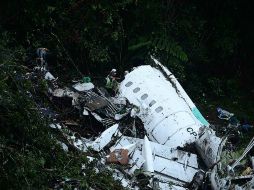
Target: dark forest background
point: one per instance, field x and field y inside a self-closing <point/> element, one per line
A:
<point x="208" y="45"/>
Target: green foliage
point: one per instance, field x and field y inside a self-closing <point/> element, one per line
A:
<point x="30" y="156"/>
<point x="215" y="85"/>
<point x="170" y="47"/>
<point x="99" y="35"/>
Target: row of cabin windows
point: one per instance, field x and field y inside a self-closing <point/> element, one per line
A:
<point x="144" y="96"/>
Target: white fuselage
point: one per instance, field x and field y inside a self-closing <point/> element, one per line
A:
<point x="164" y="107"/>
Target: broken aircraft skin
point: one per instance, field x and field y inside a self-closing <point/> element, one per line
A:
<point x="169" y="116"/>
<point x="171" y="122"/>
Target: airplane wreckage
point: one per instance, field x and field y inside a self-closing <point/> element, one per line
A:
<point x="151" y="127"/>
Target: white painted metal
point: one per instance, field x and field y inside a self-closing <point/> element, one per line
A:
<point x="167" y="117"/>
<point x="81" y="87"/>
<point x="49" y="76"/>
<point x="208" y="146"/>
<point x="55" y="126"/>
<point x="173" y="169"/>
<point x="176" y="155"/>
<point x="105" y="138"/>
<point x="168" y="164"/>
<point x="166" y="186"/>
<point x="148" y="156"/>
<point x="85" y="112"/>
<point x="179" y="88"/>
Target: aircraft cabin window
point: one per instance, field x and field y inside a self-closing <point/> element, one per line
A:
<point x="144" y="96"/>
<point x="128" y="84"/>
<point x="159" y="109"/>
<point x="136" y="90"/>
<point x="152" y="103"/>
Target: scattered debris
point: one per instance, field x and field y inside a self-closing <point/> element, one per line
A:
<point x="81" y="87"/>
<point x="119" y="156"/>
<point x="150" y="130"/>
<point x="223" y="114"/>
<point x="55" y="126"/>
<point x="49" y="76"/>
<point x="105" y="138"/>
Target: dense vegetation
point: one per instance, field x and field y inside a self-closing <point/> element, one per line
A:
<point x="207" y="44"/>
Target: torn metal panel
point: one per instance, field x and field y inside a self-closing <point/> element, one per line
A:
<point x="173" y="165"/>
<point x="176" y="155"/>
<point x="105" y="138"/>
<point x="49" y="76"/>
<point x="208" y="146"/>
<point x="100" y="104"/>
<point x="173" y="169"/>
<point x="95" y="102"/>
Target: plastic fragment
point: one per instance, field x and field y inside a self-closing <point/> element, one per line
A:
<point x="223" y="114"/>
<point x="81" y="87"/>
<point x="65" y="147"/>
<point x="85" y="112"/>
<point x="90" y="158"/>
<point x="55" y="126"/>
<point x="49" y="76"/>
